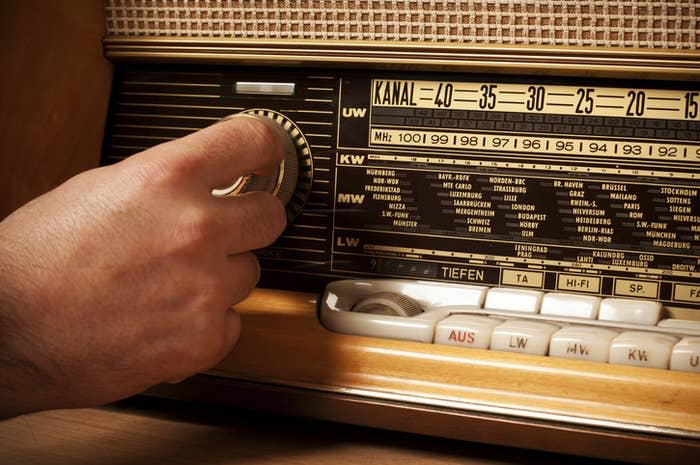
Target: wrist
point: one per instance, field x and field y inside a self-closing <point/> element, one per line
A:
<point x="21" y="384"/>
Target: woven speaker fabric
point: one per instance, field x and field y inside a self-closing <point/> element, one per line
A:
<point x="638" y="24"/>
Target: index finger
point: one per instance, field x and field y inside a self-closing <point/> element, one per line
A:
<point x="221" y="153"/>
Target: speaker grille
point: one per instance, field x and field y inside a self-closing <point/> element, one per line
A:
<point x="639" y="24"/>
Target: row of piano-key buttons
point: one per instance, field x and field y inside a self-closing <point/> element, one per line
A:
<point x="593" y="343"/>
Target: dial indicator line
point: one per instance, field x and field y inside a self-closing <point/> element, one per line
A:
<point x="304" y="238"/>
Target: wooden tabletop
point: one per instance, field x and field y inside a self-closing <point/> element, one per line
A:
<point x="155" y="431"/>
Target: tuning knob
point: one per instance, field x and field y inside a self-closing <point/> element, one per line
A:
<point x="282" y="181"/>
<point x="388" y="303"/>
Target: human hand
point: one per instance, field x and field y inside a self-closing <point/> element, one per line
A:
<point x="123" y="276"/>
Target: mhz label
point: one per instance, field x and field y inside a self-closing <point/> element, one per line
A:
<point x="532" y="98"/>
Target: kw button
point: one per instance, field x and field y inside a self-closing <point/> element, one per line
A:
<point x="642" y="349"/>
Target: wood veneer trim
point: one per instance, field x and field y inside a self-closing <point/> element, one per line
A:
<point x="283" y="343"/>
<point x="446" y="423"/>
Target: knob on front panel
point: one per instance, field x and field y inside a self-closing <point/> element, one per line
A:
<point x="291" y="180"/>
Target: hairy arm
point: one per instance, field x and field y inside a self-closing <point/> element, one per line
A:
<point x="124" y="276"/>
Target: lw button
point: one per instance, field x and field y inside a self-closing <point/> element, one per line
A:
<point x="527" y="337"/>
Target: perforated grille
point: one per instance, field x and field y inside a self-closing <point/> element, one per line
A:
<point x="642" y="24"/>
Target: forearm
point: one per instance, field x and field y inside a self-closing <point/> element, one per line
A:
<point x="22" y="385"/>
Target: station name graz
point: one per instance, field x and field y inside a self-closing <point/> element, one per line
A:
<point x="398" y="93"/>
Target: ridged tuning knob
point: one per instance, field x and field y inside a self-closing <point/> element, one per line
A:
<point x="281" y="182"/>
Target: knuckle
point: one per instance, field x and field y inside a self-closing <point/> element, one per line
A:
<point x="207" y="345"/>
<point x="158" y="165"/>
<point x="246" y="277"/>
<point x="196" y="227"/>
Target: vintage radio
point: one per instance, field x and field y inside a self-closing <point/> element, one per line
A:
<point x="494" y="230"/>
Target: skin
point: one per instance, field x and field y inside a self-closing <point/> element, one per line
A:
<point x="123" y="277"/>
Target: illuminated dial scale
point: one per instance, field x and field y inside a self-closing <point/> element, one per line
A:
<point x="556" y="100"/>
<point x="568" y="185"/>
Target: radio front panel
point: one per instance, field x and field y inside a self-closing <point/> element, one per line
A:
<point x="558" y="184"/>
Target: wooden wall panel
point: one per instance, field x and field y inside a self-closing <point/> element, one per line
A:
<point x="54" y="92"/>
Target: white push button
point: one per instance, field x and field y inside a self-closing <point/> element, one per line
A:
<point x="582" y="343"/>
<point x="642" y="349"/>
<point x="686" y="355"/>
<point x="573" y="305"/>
<point x="265" y="88"/>
<point x="516" y="300"/>
<point x="528" y="337"/>
<point x="466" y="331"/>
<point x="643" y="312"/>
<point x="675" y="323"/>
